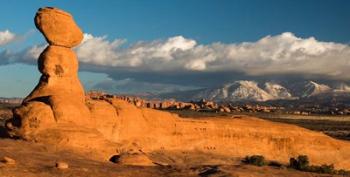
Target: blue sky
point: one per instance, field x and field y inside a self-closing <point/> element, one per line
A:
<point x="195" y="23"/>
<point x="204" y="20"/>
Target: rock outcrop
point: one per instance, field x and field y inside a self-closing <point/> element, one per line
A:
<point x="56" y="113"/>
<point x="59" y="96"/>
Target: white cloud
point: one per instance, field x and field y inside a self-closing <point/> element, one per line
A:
<point x="97" y="50"/>
<point x="29" y="55"/>
<point x="280" y="54"/>
<point x="6" y="37"/>
<point x="153" y="55"/>
<point x="33" y="53"/>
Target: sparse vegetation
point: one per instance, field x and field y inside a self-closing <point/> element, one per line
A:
<point x="328" y="169"/>
<point x="299" y="163"/>
<point x="302" y="163"/>
<point x="257" y="160"/>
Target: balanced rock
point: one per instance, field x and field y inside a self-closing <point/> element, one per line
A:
<point x="59" y="96"/>
<point x="58" y="27"/>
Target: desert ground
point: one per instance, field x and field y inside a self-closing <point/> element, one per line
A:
<point x="36" y="159"/>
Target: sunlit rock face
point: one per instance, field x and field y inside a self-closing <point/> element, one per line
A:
<point x="57" y="113"/>
<point x="59" y="96"/>
<point x="58" y="27"/>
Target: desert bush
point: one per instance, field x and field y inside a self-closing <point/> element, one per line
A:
<point x="329" y="169"/>
<point x="300" y="163"/>
<point x="343" y="172"/>
<point x="257" y="160"/>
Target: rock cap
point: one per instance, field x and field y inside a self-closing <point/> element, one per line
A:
<point x="58" y="27"/>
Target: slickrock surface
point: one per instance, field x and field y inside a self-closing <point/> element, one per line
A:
<point x="238" y="137"/>
<point x="57" y="114"/>
<point x="38" y="160"/>
<point x="8" y="161"/>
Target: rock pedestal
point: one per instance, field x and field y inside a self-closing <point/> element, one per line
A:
<point x="59" y="96"/>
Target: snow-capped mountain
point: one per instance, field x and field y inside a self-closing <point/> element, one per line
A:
<point x="277" y="91"/>
<point x="342" y="87"/>
<point x="313" y="88"/>
<point x="244" y="90"/>
<point x="237" y="91"/>
<point x="307" y="89"/>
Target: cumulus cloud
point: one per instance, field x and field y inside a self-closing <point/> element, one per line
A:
<point x="6" y="37"/>
<point x="272" y="55"/>
<point x="27" y="56"/>
<point x="280" y="54"/>
<point x="142" y="55"/>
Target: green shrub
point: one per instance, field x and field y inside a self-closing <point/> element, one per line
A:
<point x="343" y="172"/>
<point x="301" y="163"/>
<point x="326" y="169"/>
<point x="257" y="160"/>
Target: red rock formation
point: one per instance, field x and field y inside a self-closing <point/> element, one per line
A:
<point x="57" y="113"/>
<point x="59" y="96"/>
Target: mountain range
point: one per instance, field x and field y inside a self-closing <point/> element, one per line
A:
<point x="249" y="90"/>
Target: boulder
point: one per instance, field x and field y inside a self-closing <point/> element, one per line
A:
<point x="58" y="27"/>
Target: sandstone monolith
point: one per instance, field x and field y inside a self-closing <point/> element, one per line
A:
<point x="59" y="96"/>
